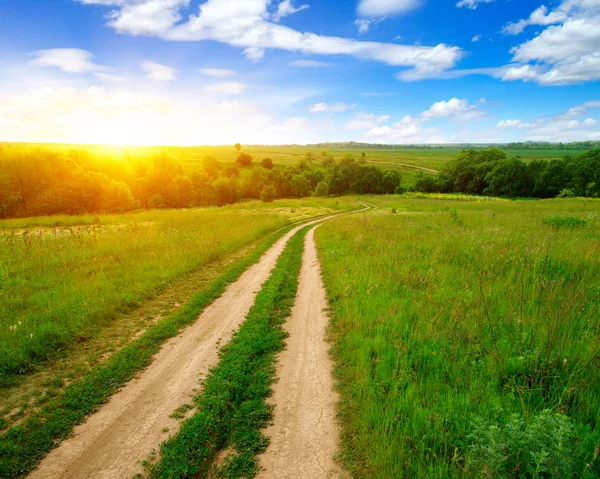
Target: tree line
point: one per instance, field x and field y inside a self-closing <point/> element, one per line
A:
<point x="41" y="181"/>
<point x="490" y="172"/>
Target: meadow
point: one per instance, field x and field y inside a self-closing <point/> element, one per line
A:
<point x="466" y="337"/>
<point x="64" y="278"/>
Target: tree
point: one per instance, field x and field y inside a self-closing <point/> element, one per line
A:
<point x="232" y="172"/>
<point x="212" y="166"/>
<point x="322" y="189"/>
<point x="268" y="194"/>
<point x="267" y="163"/>
<point x="238" y="147"/>
<point x="244" y="159"/>
<point x="470" y="168"/>
<point x="509" y="178"/>
<point x="224" y="191"/>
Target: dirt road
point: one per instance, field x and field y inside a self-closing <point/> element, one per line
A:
<point x="136" y="420"/>
<point x="304" y="435"/>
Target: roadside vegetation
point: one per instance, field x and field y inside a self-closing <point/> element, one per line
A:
<point x="466" y="337"/>
<point x="232" y="408"/>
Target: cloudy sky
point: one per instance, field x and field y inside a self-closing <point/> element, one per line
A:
<point x="299" y="71"/>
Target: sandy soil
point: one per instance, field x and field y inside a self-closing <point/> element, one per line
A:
<point x="136" y="420"/>
<point x="304" y="435"/>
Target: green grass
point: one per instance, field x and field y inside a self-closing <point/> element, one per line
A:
<point x="232" y="406"/>
<point x="466" y="338"/>
<point x="23" y="447"/>
<point x="59" y="285"/>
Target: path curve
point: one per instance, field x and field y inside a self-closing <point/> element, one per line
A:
<point x="304" y="436"/>
<point x="113" y="441"/>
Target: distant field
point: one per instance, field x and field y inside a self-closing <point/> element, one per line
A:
<point x="190" y="157"/>
<point x="61" y="278"/>
<point x="466" y="337"/>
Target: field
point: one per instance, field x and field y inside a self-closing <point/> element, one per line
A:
<point x="466" y="337"/>
<point x="62" y="278"/>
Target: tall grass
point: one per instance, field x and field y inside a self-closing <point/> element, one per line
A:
<point x="60" y="284"/>
<point x="467" y="339"/>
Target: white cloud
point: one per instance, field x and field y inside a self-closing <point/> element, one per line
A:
<point x="476" y="38"/>
<point x="407" y="130"/>
<point x="457" y="108"/>
<point x="245" y="24"/>
<point x="158" y="72"/>
<point x="363" y="25"/>
<point x="286" y="8"/>
<point x="227" y="88"/>
<point x="472" y="4"/>
<point x="310" y="64"/>
<point x="540" y="16"/>
<point x="69" y="60"/>
<point x="218" y="72"/>
<point x="509" y="124"/>
<point x="364" y="121"/>
<point x="381" y="8"/>
<point x="331" y="107"/>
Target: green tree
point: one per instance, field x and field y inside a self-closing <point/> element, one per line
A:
<point x="237" y="146"/>
<point x="244" y="159"/>
<point x="322" y="189"/>
<point x="268" y="194"/>
<point x="267" y="163"/>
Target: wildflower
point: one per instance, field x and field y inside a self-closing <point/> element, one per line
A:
<point x="31" y="336"/>
<point x="564" y="363"/>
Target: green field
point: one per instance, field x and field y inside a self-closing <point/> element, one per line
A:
<point x="466" y="337"/>
<point x="62" y="278"/>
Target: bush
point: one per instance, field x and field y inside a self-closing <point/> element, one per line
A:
<point x="520" y="448"/>
<point x="268" y="194"/>
<point x="322" y="189"/>
<point x="244" y="159"/>
<point x="569" y="222"/>
<point x="267" y="163"/>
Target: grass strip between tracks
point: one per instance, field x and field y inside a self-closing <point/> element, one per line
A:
<point x="232" y="407"/>
<point x="24" y="446"/>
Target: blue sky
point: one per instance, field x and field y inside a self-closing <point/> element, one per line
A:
<point x="292" y="71"/>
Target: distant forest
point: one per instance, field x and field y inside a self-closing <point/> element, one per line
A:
<point x="528" y="145"/>
<point x="38" y="181"/>
<point x="490" y="172"/>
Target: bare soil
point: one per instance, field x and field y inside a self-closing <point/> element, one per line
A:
<point x="304" y="435"/>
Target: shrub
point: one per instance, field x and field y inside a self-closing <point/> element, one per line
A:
<point x="520" y="448"/>
<point x="268" y="194"/>
<point x="569" y="222"/>
<point x="244" y="159"/>
<point x="322" y="189"/>
<point x="267" y="163"/>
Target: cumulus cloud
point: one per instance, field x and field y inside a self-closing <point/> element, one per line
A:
<point x="540" y="16"/>
<point x="158" y="72"/>
<point x="310" y="64"/>
<point x="564" y="127"/>
<point x="364" y="121"/>
<point x="476" y="38"/>
<point x="69" y="60"/>
<point x="407" y="130"/>
<point x="110" y="78"/>
<point x="472" y="4"/>
<point x="286" y="8"/>
<point x="331" y="107"/>
<point x="458" y="108"/>
<point x="247" y="24"/>
<point x="218" y="72"/>
<point x="227" y="88"/>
